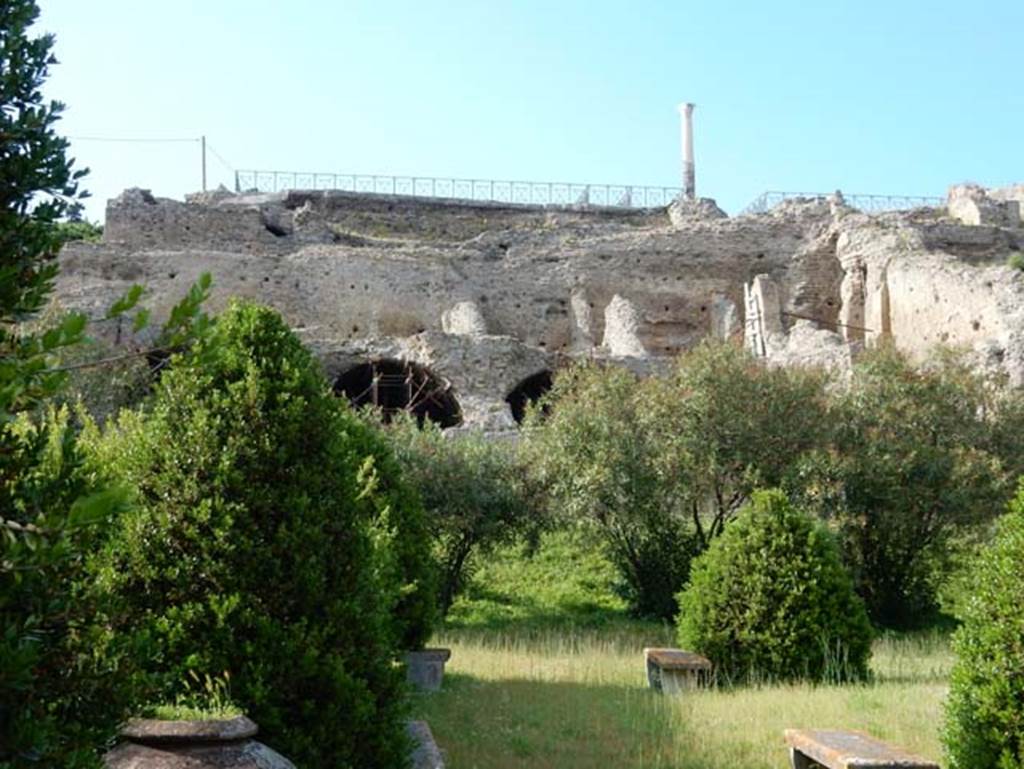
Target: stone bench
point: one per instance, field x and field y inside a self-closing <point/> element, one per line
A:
<point x="844" y="749"/>
<point x="673" y="671"/>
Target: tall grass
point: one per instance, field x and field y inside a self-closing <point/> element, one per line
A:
<point x="547" y="671"/>
<point x="576" y="698"/>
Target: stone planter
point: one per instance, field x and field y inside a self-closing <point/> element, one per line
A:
<point x="425" y="668"/>
<point x="220" y="743"/>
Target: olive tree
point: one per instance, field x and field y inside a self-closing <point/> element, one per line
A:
<point x="657" y="466"/>
<point x="476" y="493"/>
<point x="913" y="468"/>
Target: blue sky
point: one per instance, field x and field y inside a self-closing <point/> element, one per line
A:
<point x="899" y="97"/>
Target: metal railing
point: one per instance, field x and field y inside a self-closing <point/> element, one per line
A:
<point x="524" y="193"/>
<point x="864" y="202"/>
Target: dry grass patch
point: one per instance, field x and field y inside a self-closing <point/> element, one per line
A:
<point x="574" y="699"/>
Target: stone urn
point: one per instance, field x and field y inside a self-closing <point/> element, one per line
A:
<point x="425" y="668"/>
<point x="222" y="743"/>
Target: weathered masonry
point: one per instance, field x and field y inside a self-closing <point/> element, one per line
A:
<point x="461" y="310"/>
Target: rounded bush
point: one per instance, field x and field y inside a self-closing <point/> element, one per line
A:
<point x="770" y="599"/>
<point x="985" y="710"/>
<point x="262" y="548"/>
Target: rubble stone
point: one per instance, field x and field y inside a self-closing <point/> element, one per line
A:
<point x="486" y="295"/>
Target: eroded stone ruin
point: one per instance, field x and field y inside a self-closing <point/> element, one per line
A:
<point x="460" y="311"/>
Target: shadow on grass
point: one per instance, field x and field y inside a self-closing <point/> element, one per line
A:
<point x="508" y="723"/>
<point x="541" y="724"/>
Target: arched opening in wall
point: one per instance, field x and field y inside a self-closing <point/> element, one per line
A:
<point x="394" y="386"/>
<point x="529" y="391"/>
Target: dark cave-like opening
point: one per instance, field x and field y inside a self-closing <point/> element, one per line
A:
<point x="529" y="391"/>
<point x="395" y="386"/>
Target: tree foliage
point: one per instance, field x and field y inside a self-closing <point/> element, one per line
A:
<point x="770" y="599"/>
<point x="732" y="424"/>
<point x="601" y="459"/>
<point x="47" y="513"/>
<point x="77" y="229"/>
<point x="914" y="467"/>
<point x="476" y="493"/>
<point x="658" y="466"/>
<point x="985" y="710"/>
<point x="39" y="186"/>
<point x="259" y="545"/>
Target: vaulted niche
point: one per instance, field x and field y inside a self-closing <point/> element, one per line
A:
<point x="530" y="390"/>
<point x="397" y="385"/>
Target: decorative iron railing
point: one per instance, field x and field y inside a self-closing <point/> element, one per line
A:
<point x="526" y="193"/>
<point x="866" y="203"/>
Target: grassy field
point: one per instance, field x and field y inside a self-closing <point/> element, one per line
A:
<point x="579" y="699"/>
<point x="547" y="671"/>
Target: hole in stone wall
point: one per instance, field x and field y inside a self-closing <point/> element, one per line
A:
<point x="275" y="230"/>
<point x="395" y="386"/>
<point x="530" y="390"/>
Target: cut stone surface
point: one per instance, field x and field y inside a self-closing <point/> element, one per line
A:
<point x="153" y="731"/>
<point x="247" y="754"/>
<point x="213" y="744"/>
<point x="425" y="668"/>
<point x="425" y="754"/>
<point x="847" y="749"/>
<point x="676" y="659"/>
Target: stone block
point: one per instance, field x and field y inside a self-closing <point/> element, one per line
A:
<point x="848" y="749"/>
<point x="683" y="212"/>
<point x="674" y="671"/>
<point x="621" y="329"/>
<point x="425" y="754"/>
<point x="425" y="668"/>
<point x="971" y="204"/>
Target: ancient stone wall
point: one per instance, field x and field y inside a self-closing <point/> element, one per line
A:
<point x="488" y="295"/>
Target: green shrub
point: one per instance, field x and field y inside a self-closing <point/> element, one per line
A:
<point x="1016" y="260"/>
<point x="257" y="549"/>
<point x="56" y="707"/>
<point x="985" y="709"/>
<point x="79" y="229"/>
<point x="409" y="536"/>
<point x="474" y="491"/>
<point x="770" y="599"/>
